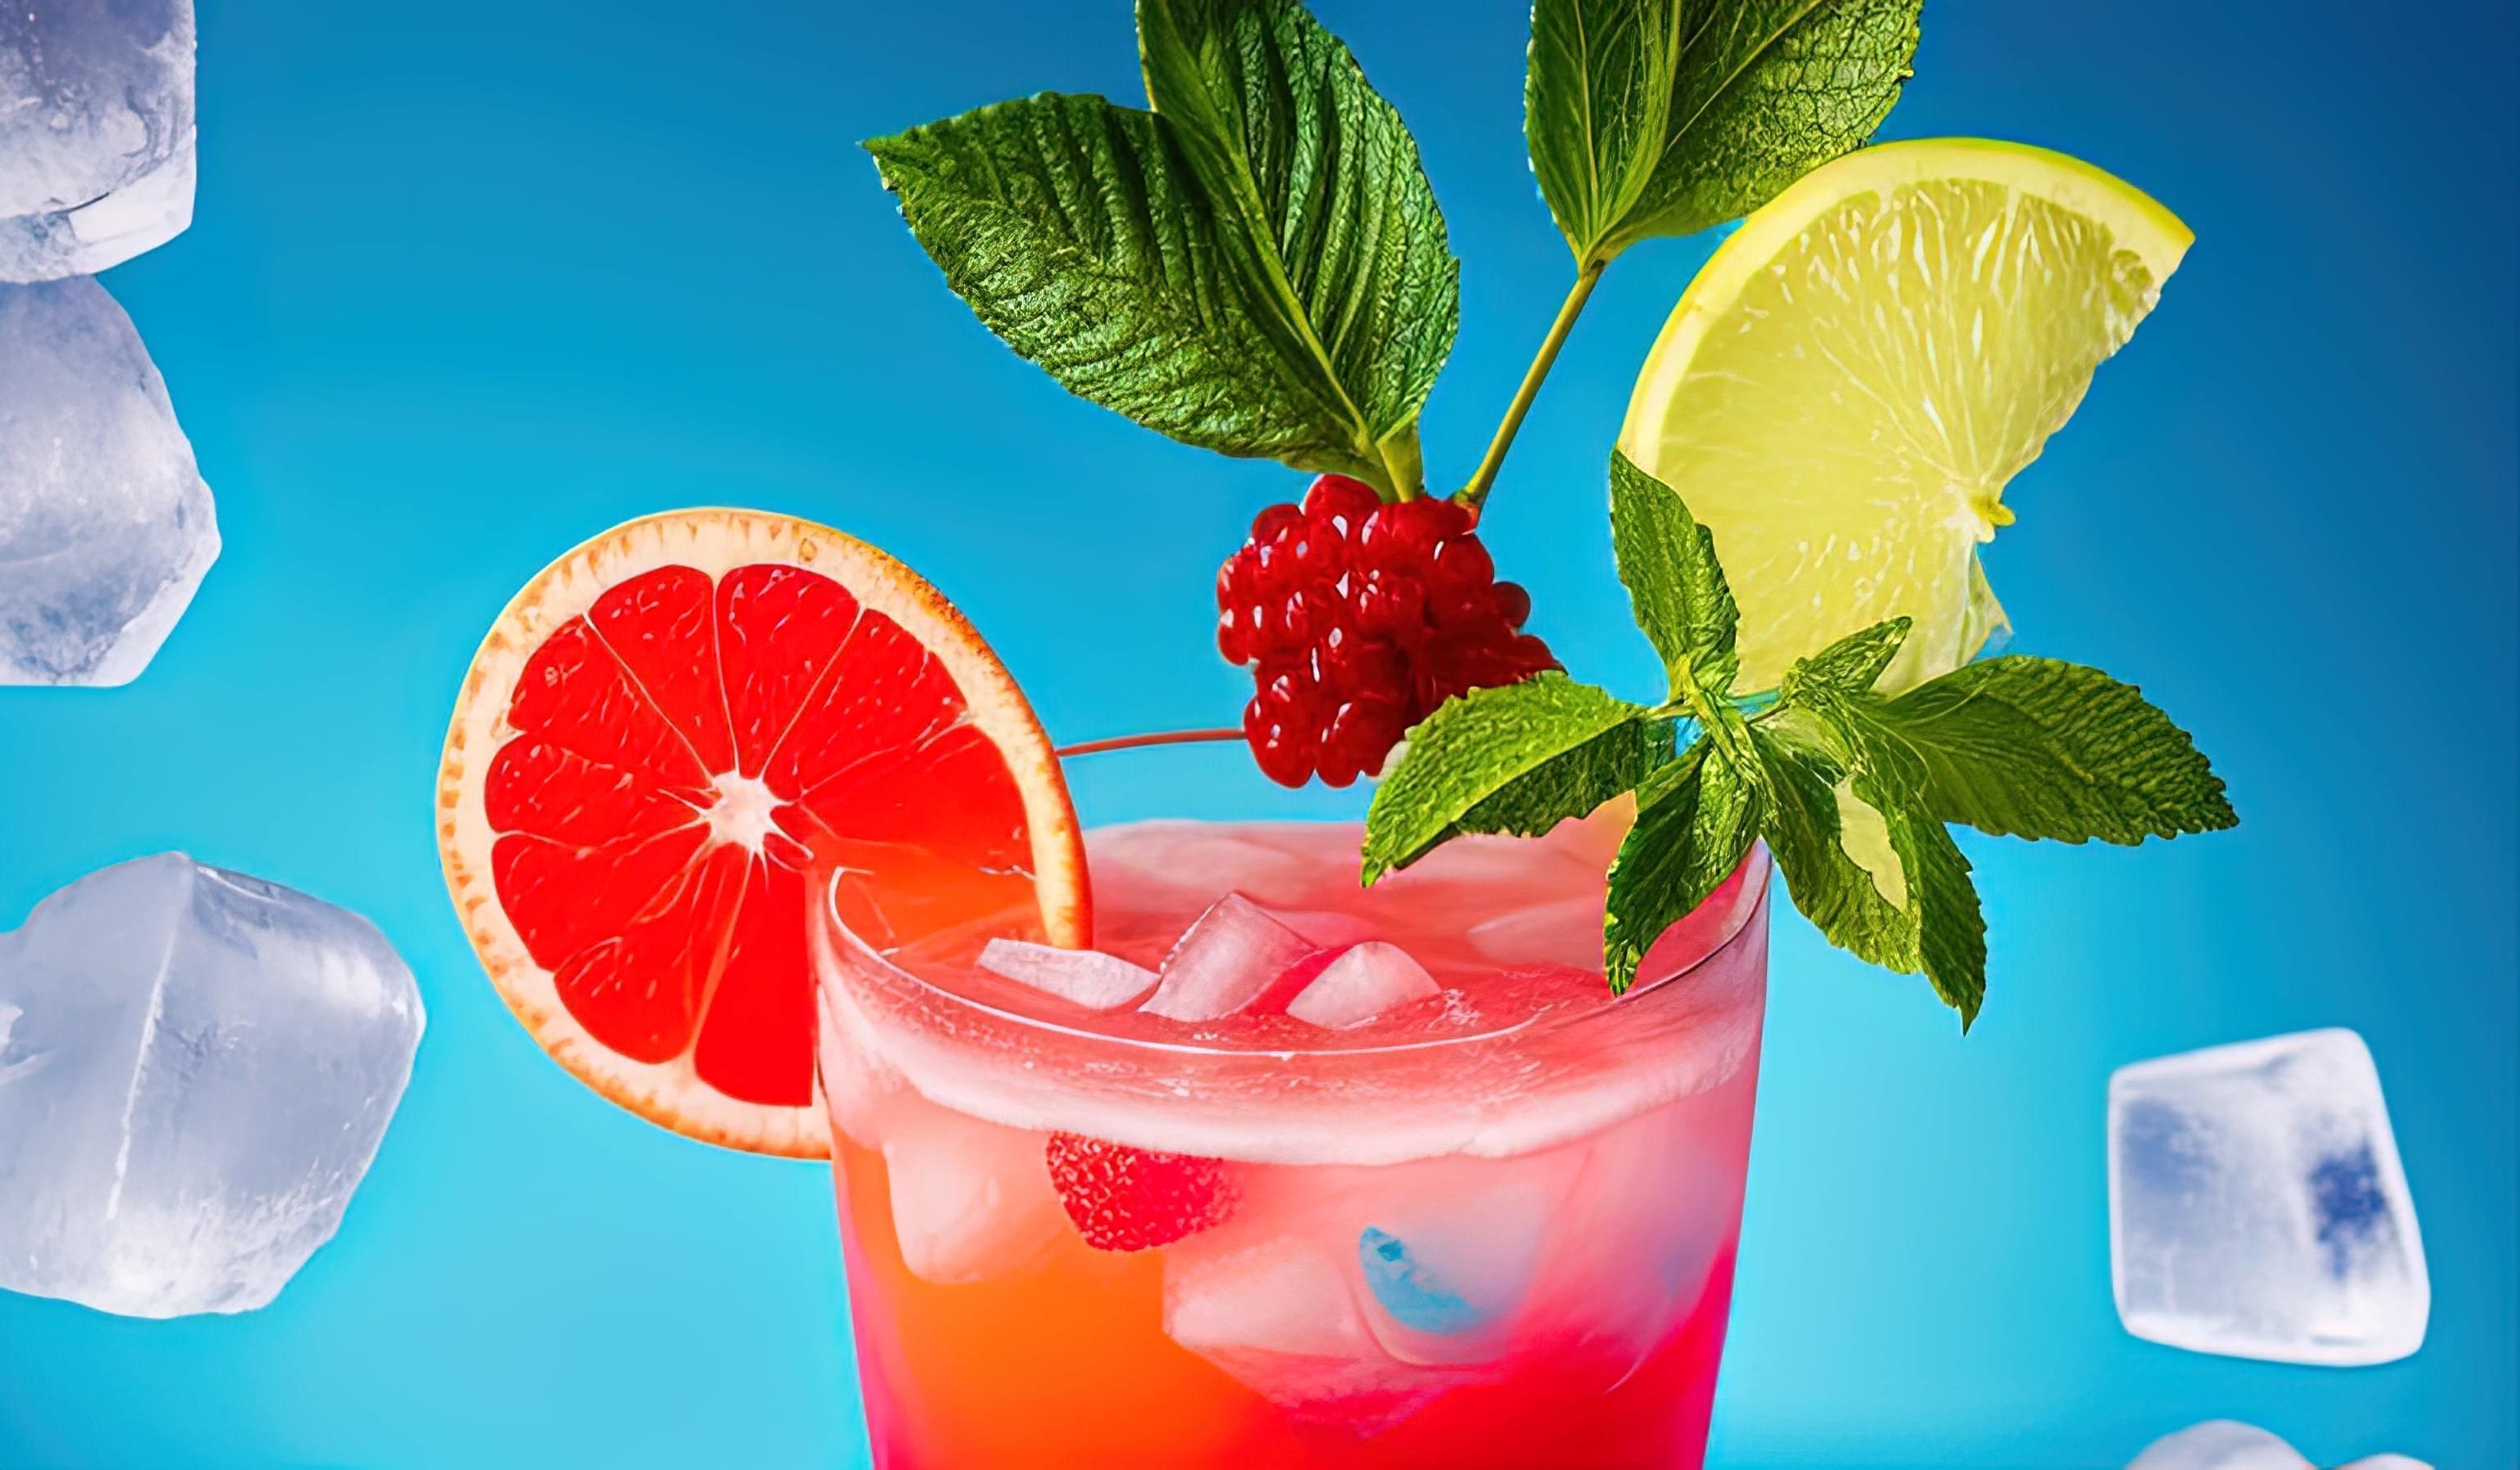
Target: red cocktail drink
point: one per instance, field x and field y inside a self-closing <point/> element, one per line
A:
<point x="1490" y="1223"/>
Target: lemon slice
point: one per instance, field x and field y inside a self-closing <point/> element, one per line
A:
<point x="1846" y="388"/>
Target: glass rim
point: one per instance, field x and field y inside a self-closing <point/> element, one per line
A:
<point x="1757" y="867"/>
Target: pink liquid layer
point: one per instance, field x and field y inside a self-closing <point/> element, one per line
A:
<point x="1495" y="1228"/>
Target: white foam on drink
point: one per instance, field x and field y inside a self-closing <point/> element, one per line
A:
<point x="1565" y="932"/>
<point x="1538" y="1081"/>
<point x="1191" y="862"/>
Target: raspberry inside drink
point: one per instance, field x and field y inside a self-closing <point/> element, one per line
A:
<point x="1473" y="1212"/>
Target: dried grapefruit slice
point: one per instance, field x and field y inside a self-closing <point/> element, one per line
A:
<point x="652" y="737"/>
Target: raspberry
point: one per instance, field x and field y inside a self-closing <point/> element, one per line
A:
<point x="1357" y="619"/>
<point x="1131" y="1199"/>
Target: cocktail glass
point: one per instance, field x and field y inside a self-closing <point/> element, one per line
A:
<point x="1500" y="1232"/>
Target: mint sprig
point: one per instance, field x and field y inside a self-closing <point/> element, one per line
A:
<point x="1255" y="266"/>
<point x="1650" y="118"/>
<point x="1850" y="789"/>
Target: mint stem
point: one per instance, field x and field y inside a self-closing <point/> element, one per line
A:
<point x="1476" y="493"/>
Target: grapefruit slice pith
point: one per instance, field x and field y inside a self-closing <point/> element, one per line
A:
<point x="655" y="737"/>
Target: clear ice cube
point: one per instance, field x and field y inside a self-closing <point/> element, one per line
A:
<point x="96" y="133"/>
<point x="1224" y="960"/>
<point x="1275" y="1293"/>
<point x="1279" y="1314"/>
<point x="2219" y="1445"/>
<point x="2229" y="1444"/>
<point x="970" y="1200"/>
<point x="1452" y="1250"/>
<point x="1362" y="983"/>
<point x="1085" y="977"/>
<point x="2258" y="1208"/>
<point x="198" y="1072"/>
<point x="105" y="527"/>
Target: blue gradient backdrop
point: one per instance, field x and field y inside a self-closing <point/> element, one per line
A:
<point x="472" y="281"/>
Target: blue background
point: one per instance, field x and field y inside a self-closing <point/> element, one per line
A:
<point x="475" y="279"/>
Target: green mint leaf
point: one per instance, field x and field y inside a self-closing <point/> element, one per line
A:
<point x="1597" y="108"/>
<point x="1864" y="858"/>
<point x="1950" y="932"/>
<point x="1849" y="665"/>
<point x="1074" y="229"/>
<point x="1765" y="92"/>
<point x="1667" y="560"/>
<point x="1650" y="118"/>
<point x="2033" y="747"/>
<point x="1696" y="818"/>
<point x="1323" y="206"/>
<point x="1856" y="910"/>
<point x="1518" y="758"/>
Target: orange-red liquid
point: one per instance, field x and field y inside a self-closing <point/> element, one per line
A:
<point x="1024" y="1345"/>
<point x="1071" y="1366"/>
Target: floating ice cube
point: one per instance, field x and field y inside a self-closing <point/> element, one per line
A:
<point x="2257" y="1206"/>
<point x="2229" y="1444"/>
<point x="1278" y="1313"/>
<point x="96" y="133"/>
<point x="105" y="527"/>
<point x="2219" y="1445"/>
<point x="1085" y="977"/>
<point x="970" y="1200"/>
<point x="1362" y="983"/>
<point x="1224" y="959"/>
<point x="196" y="1074"/>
